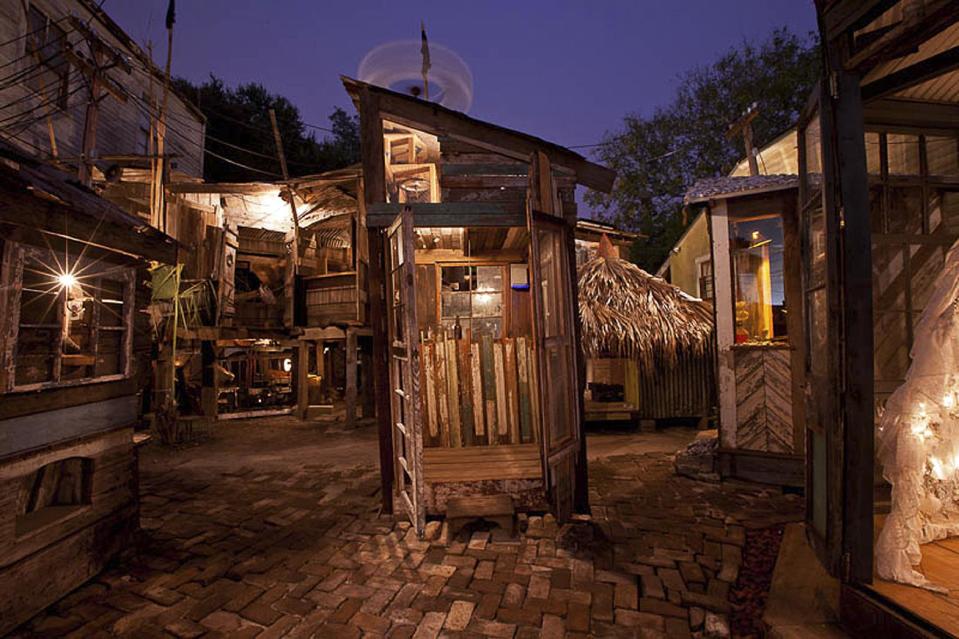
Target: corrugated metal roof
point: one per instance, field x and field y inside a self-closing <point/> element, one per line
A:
<point x="726" y="187"/>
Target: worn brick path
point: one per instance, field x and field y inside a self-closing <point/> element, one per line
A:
<point x="280" y="548"/>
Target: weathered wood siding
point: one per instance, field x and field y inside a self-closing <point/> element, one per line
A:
<point x="477" y="393"/>
<point x="684" y="389"/>
<point x="764" y="399"/>
<point x="122" y="126"/>
<point x="39" y="567"/>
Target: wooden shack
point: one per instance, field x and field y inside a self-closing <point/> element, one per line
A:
<point x="74" y="357"/>
<point x="476" y="340"/>
<point x="754" y="234"/>
<point x="649" y="346"/>
<point x="879" y="207"/>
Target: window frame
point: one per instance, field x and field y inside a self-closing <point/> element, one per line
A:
<point x="776" y="340"/>
<point x="503" y="317"/>
<point x="11" y="279"/>
<point x="706" y="258"/>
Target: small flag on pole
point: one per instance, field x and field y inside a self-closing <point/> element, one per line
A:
<point x="171" y="14"/>
<point x="425" y="51"/>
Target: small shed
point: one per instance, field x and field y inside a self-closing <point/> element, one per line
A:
<point x="475" y="342"/>
<point x="754" y="235"/>
<point x="648" y="345"/>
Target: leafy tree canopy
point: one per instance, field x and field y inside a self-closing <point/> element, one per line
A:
<point x="239" y="117"/>
<point x="659" y="156"/>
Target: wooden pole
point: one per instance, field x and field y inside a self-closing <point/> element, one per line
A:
<point x="90" y="120"/>
<point x="301" y="370"/>
<point x="295" y="254"/>
<point x="350" y="376"/>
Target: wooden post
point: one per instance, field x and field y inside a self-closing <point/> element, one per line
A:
<point x="301" y="372"/>
<point x="374" y="183"/>
<point x="850" y="184"/>
<point x="210" y="389"/>
<point x="351" y="377"/>
<point x="367" y="394"/>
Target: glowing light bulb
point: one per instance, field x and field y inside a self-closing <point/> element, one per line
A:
<point x="66" y="280"/>
<point x="287" y="365"/>
<point x="938" y="469"/>
<point x="947" y="400"/>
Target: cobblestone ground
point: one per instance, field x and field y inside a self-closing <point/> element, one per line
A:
<point x="241" y="540"/>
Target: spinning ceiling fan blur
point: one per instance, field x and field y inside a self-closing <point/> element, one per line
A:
<point x="399" y="66"/>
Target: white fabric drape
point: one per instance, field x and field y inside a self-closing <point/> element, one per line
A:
<point x="918" y="439"/>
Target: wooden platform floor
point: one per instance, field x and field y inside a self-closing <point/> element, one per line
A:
<point x="940" y="564"/>
<point x="476" y="463"/>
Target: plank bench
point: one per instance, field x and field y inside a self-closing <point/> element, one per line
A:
<point x="497" y="509"/>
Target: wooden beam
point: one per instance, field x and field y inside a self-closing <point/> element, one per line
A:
<point x="845" y="15"/>
<point x="446" y="214"/>
<point x="301" y="383"/>
<point x="915" y="29"/>
<point x="912" y="75"/>
<point x="909" y="114"/>
<point x="374" y="192"/>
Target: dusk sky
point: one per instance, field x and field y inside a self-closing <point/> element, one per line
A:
<point x="565" y="71"/>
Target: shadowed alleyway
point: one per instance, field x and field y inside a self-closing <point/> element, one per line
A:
<point x="273" y="529"/>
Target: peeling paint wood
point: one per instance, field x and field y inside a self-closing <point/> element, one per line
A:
<point x="476" y="376"/>
<point x="502" y="400"/>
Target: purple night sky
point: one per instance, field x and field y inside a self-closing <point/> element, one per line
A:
<point x="564" y="71"/>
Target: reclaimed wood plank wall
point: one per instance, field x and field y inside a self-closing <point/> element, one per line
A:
<point x="477" y="393"/>
<point x="764" y="400"/>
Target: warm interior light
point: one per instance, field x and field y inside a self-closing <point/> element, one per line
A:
<point x="66" y="280"/>
<point x="287" y="364"/>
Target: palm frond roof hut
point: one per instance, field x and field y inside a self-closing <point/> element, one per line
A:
<point x="626" y="312"/>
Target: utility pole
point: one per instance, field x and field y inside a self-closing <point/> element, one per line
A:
<point x="744" y="126"/>
<point x="102" y="58"/>
<point x="289" y="190"/>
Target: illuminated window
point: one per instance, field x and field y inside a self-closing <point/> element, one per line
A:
<point x="472" y="296"/>
<point x="72" y="325"/>
<point x="757" y="250"/>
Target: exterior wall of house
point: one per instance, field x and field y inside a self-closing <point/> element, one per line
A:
<point x="31" y="104"/>
<point x="689" y="251"/>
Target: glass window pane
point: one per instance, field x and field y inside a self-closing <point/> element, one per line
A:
<point x="942" y="156"/>
<point x="35" y="356"/>
<point x="455" y="304"/>
<point x="872" y="154"/>
<point x="489" y="278"/>
<point x="487" y="304"/>
<point x="905" y="210"/>
<point x="458" y="278"/>
<point x="758" y="273"/>
<point x="812" y="146"/>
<point x="903" y="151"/>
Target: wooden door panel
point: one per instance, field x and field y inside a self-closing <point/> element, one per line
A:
<point x="404" y="361"/>
<point x="556" y="358"/>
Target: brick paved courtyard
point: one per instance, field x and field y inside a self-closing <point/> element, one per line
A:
<point x="272" y="529"/>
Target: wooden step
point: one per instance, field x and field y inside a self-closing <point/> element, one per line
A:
<point x="479" y="463"/>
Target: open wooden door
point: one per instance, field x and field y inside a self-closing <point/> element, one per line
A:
<point x="559" y="399"/>
<point x="404" y="361"/>
<point x="837" y="287"/>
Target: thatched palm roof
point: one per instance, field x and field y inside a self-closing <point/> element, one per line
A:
<point x="626" y="312"/>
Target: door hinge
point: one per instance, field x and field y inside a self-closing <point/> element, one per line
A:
<point x="845" y="566"/>
<point x="834" y="85"/>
